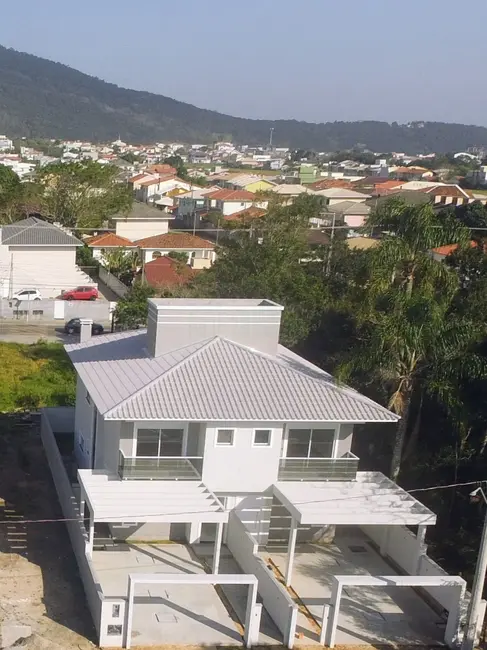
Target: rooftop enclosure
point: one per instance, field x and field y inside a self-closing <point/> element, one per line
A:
<point x="173" y="324"/>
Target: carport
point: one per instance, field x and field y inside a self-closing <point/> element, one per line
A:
<point x="372" y="499"/>
<point x="113" y="501"/>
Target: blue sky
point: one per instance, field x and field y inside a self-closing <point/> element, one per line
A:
<point x="315" y="60"/>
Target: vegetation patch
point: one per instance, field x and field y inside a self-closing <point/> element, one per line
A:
<point x="33" y="376"/>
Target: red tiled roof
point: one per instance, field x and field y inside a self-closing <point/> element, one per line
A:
<point x="246" y="214"/>
<point x="231" y="195"/>
<point x="448" y="190"/>
<point x="109" y="240"/>
<point x="174" y="241"/>
<point x="137" y="177"/>
<point x="449" y="248"/>
<point x="327" y="183"/>
<point x="161" y="169"/>
<point x="166" y="272"/>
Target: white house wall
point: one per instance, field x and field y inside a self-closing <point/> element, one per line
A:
<point x="83" y="427"/>
<point x="49" y="269"/>
<point x="241" y="468"/>
<point x="140" y="228"/>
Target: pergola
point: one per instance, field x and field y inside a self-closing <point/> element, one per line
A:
<point x="112" y="500"/>
<point x="372" y="499"/>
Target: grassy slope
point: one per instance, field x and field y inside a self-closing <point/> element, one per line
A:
<point x="32" y="376"/>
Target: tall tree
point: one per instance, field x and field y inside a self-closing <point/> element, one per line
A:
<point x="82" y="194"/>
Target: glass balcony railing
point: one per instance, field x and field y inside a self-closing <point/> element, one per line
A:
<point x="167" y="468"/>
<point x="319" y="469"/>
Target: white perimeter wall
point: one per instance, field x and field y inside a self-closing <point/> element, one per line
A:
<point x="49" y="269"/>
<point x="101" y="608"/>
<point x="275" y="598"/>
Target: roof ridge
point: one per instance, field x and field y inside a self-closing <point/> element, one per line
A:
<point x="192" y="355"/>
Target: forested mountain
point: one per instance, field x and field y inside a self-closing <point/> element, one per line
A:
<point x="40" y="98"/>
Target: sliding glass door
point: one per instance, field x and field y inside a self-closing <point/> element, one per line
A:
<point x="310" y="443"/>
<point x="159" y="442"/>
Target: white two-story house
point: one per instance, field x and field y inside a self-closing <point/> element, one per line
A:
<point x="203" y="428"/>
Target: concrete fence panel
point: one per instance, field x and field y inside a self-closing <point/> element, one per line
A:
<point x="112" y="282"/>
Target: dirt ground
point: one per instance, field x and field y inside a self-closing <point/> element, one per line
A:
<point x="39" y="583"/>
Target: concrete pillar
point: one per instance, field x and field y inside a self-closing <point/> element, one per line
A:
<point x="384" y="543"/>
<point x="82" y="501"/>
<point x="249" y="615"/>
<point x="129" y="614"/>
<point x="91" y="534"/>
<point x="193" y="533"/>
<point x="335" y="598"/>
<point x="217" y="548"/>
<point x="293" y="533"/>
<point x="85" y="329"/>
<point x="420" y="547"/>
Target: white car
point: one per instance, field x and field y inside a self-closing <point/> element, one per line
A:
<point x="27" y="294"/>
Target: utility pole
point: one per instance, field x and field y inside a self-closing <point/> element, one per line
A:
<point x="478" y="581"/>
<point x="270" y="137"/>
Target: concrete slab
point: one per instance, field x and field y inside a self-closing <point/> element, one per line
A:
<point x="167" y="614"/>
<point x="237" y="594"/>
<point x="368" y="615"/>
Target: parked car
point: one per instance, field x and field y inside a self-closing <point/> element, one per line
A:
<point x="73" y="326"/>
<point x="27" y="294"/>
<point x="81" y="293"/>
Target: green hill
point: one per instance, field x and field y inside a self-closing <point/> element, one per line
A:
<point x="40" y="98"/>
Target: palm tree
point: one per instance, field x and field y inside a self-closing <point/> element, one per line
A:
<point x="413" y="346"/>
<point x="411" y="342"/>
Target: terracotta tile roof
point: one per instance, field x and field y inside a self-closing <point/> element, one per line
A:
<point x="136" y="178"/>
<point x="109" y="240"/>
<point x="161" y="169"/>
<point x="411" y="170"/>
<point x="246" y="214"/>
<point x="166" y="272"/>
<point x="327" y="183"/>
<point x="449" y="248"/>
<point x="155" y="181"/>
<point x="231" y="195"/>
<point x="448" y="190"/>
<point x="174" y="241"/>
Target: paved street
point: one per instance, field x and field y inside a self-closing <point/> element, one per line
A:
<point x="21" y="332"/>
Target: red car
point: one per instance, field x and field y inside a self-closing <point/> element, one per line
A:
<point x="81" y="293"/>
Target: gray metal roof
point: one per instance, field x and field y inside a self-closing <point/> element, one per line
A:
<point x="35" y="232"/>
<point x="213" y="380"/>
<point x="139" y="210"/>
<point x="349" y="207"/>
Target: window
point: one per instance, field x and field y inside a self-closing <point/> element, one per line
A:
<point x="159" y="442"/>
<point x="262" y="438"/>
<point x="310" y="443"/>
<point x="115" y="611"/>
<point x="114" y="630"/>
<point x="224" y="437"/>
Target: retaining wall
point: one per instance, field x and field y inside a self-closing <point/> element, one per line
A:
<point x="275" y="598"/>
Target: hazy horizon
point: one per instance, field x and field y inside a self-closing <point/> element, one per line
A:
<point x="318" y="62"/>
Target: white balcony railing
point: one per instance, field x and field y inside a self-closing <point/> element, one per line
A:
<point x="319" y="469"/>
<point x="162" y="468"/>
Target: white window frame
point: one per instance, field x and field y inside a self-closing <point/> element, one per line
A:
<point x="260" y="445"/>
<point x="160" y="425"/>
<point x="311" y="425"/>
<point x="222" y="444"/>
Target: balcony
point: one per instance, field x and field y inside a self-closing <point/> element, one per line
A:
<point x="167" y="468"/>
<point x="319" y="469"/>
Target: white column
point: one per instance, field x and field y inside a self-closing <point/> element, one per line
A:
<point x="91" y="536"/>
<point x="249" y="614"/>
<point x="218" y="547"/>
<point x="419" y="547"/>
<point x="82" y="500"/>
<point x="332" y="623"/>
<point x="130" y="614"/>
<point x="293" y="533"/>
<point x="383" y="547"/>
